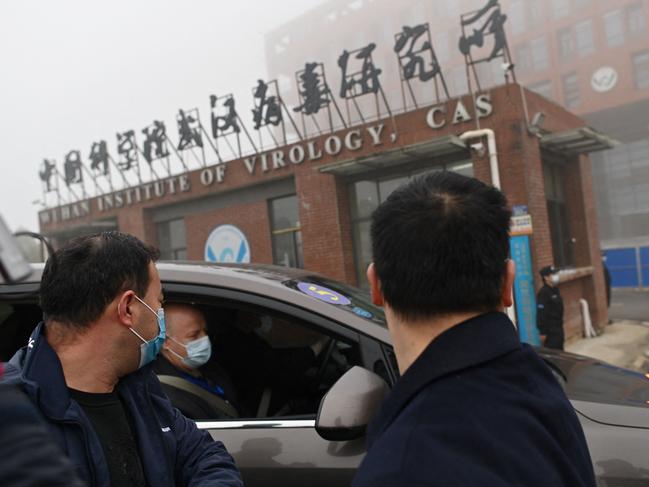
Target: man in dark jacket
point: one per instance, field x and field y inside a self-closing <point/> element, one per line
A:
<point x="473" y="406"/>
<point x="549" y="313"/>
<point x="87" y="369"/>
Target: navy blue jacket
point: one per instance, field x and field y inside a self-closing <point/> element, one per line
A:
<point x="477" y="408"/>
<point x="172" y="449"/>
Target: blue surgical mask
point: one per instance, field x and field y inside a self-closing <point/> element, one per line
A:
<point x="150" y="349"/>
<point x="199" y="351"/>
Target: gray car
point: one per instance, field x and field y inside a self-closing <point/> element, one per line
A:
<point x="300" y="417"/>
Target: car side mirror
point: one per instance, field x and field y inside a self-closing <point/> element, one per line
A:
<point x="347" y="408"/>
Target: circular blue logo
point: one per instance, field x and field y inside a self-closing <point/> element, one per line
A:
<point x="227" y="243"/>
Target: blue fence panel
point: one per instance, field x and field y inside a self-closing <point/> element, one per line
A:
<point x="623" y="266"/>
<point x="644" y="262"/>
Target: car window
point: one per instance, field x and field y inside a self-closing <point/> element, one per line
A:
<point x="17" y="320"/>
<point x="269" y="364"/>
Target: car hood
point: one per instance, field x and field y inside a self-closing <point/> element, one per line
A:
<point x="603" y="392"/>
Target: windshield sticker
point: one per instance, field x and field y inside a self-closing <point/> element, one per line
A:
<point x="362" y="313"/>
<point x="323" y="294"/>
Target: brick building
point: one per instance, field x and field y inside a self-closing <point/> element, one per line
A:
<point x="590" y="56"/>
<point x="308" y="203"/>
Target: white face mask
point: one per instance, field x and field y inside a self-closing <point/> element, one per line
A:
<point x="199" y="351"/>
<point x="554" y="279"/>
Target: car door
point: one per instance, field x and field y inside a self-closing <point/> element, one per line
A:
<point x="286" y="450"/>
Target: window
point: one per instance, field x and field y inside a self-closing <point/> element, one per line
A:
<point x="571" y="97"/>
<point x="523" y="57"/>
<point x="635" y="19"/>
<point x="614" y="28"/>
<point x="584" y="36"/>
<point x="533" y="55"/>
<point x="543" y="88"/>
<point x="641" y="69"/>
<point x="172" y="239"/>
<point x="536" y="11"/>
<point x="562" y="246"/>
<point x="517" y="17"/>
<point x="566" y="44"/>
<point x="268" y="362"/>
<point x="560" y="8"/>
<point x="539" y="48"/>
<point x="367" y="195"/>
<point x="286" y="231"/>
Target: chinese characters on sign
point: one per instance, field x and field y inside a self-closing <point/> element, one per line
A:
<point x="313" y="91"/>
<point x="417" y="59"/>
<point x="48" y="170"/>
<point x="155" y="142"/>
<point x="412" y="54"/>
<point x="72" y="168"/>
<point x="99" y="157"/>
<point x="127" y="150"/>
<point x="267" y="110"/>
<point x="365" y="79"/>
<point x="482" y="40"/>
<point x="492" y="28"/>
<point x="224" y="124"/>
<point x="189" y="129"/>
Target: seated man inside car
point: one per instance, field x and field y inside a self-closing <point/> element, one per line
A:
<point x="186" y="354"/>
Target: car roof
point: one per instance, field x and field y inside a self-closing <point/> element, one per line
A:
<point x="263" y="280"/>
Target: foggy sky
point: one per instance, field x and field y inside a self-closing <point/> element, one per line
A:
<point x="78" y="71"/>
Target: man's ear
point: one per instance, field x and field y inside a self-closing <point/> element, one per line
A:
<point x="375" y="285"/>
<point x="507" y="291"/>
<point x="125" y="304"/>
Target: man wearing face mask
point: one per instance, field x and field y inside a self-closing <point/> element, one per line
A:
<point x="549" y="314"/>
<point x="186" y="355"/>
<point x="87" y="369"/>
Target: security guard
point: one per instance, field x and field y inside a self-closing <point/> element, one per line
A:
<point x="549" y="315"/>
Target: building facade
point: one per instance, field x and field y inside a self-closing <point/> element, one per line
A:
<point x="308" y="204"/>
<point x="589" y="56"/>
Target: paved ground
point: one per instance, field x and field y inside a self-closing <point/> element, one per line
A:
<point x="622" y="343"/>
<point x="629" y="305"/>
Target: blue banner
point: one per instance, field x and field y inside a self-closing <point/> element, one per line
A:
<point x="524" y="292"/>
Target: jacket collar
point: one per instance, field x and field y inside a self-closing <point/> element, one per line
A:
<point x="42" y="374"/>
<point x="465" y="345"/>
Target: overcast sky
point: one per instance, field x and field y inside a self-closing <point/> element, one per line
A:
<point x="77" y="71"/>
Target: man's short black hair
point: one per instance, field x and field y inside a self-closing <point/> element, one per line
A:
<point x="84" y="276"/>
<point x="440" y="244"/>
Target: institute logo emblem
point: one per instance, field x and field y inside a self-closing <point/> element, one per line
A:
<point x="226" y="244"/>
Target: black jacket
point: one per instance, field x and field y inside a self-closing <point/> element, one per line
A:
<point x="477" y="408"/>
<point x="172" y="449"/>
<point x="28" y="455"/>
<point x="549" y="316"/>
